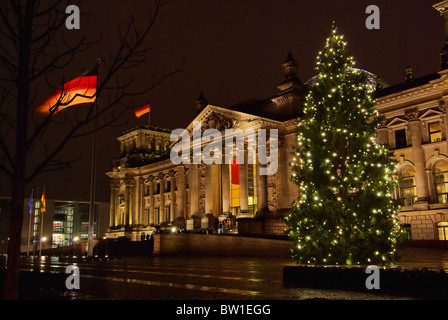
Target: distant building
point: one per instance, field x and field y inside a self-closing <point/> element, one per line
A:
<point x="149" y="192"/>
<point x="63" y="223"/>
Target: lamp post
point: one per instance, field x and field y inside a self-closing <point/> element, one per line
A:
<point x="75" y="240"/>
<point x="42" y="241"/>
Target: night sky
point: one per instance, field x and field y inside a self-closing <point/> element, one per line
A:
<point x="233" y="50"/>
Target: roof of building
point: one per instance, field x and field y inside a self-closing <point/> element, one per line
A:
<point x="257" y="107"/>
<point x="406" y="85"/>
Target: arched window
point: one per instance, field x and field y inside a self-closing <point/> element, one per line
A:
<point x="442" y="230"/>
<point x="441" y="181"/>
<point x="408" y="191"/>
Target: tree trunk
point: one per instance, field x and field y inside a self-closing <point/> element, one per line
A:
<point x="11" y="291"/>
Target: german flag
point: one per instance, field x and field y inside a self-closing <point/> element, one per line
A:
<point x="43" y="207"/>
<point x="143" y="110"/>
<point x="77" y="91"/>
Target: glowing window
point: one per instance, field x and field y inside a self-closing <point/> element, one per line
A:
<point x="441" y="181"/>
<point x="435" y="132"/>
<point x="407" y="186"/>
<point x="442" y="230"/>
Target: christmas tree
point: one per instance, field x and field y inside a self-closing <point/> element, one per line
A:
<point x="345" y="213"/>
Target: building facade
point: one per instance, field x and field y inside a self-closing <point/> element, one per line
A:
<point x="149" y="191"/>
<point x="63" y="223"/>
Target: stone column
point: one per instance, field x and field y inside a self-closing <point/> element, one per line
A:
<point x="194" y="221"/>
<point x="151" y="200"/>
<point x="145" y="211"/>
<point x="114" y="185"/>
<point x="180" y="198"/>
<point x="131" y="204"/>
<point x="162" y="200"/>
<point x="126" y="217"/>
<point x="194" y="191"/>
<point x="418" y="156"/>
<point x="209" y="181"/>
<point x="120" y="214"/>
<point x="431" y="186"/>
<point x="172" y="196"/>
<point x="137" y="214"/>
<point x="244" y="191"/>
<point x="262" y="192"/>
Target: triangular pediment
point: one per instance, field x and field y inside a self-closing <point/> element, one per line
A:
<point x="431" y="113"/>
<point x="213" y="117"/>
<point x="397" y="122"/>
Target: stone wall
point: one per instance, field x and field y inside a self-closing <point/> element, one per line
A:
<point x="219" y="245"/>
<point x="423" y="223"/>
<point x="275" y="227"/>
<point x="261" y="226"/>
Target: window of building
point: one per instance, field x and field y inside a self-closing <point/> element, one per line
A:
<point x="408" y="189"/>
<point x="442" y="230"/>
<point x="435" y="131"/>
<point x="62" y="224"/>
<point x="167" y="213"/>
<point x="407" y="229"/>
<point x="251" y="181"/>
<point x="400" y="139"/>
<point x="168" y="186"/>
<point x="235" y="190"/>
<point x="441" y="181"/>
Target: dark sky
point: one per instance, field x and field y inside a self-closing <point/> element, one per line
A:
<point x="233" y="50"/>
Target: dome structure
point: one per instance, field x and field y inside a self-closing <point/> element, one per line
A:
<point x="373" y="80"/>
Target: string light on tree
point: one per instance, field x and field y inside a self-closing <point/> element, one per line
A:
<point x="345" y="213"/>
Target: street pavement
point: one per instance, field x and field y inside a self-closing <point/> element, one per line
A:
<point x="208" y="278"/>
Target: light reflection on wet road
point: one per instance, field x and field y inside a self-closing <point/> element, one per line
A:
<point x="184" y="278"/>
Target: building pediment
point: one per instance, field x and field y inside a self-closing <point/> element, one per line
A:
<point x="213" y="117"/>
<point x="430" y="114"/>
<point x="221" y="119"/>
<point x="396" y="122"/>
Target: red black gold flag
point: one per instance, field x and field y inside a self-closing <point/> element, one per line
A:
<point x="77" y="91"/>
<point x="143" y="110"/>
<point x="43" y="207"/>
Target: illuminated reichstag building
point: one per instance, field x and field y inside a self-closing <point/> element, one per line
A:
<point x="149" y="192"/>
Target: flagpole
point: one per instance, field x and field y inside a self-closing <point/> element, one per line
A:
<point x="34" y="236"/>
<point x="92" y="175"/>
<point x="41" y="227"/>
<point x="29" y="227"/>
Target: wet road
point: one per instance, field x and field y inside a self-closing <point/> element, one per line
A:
<point x="206" y="278"/>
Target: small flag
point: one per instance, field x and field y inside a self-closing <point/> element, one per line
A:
<point x="77" y="91"/>
<point x="31" y="202"/>
<point x="143" y="110"/>
<point x="43" y="203"/>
